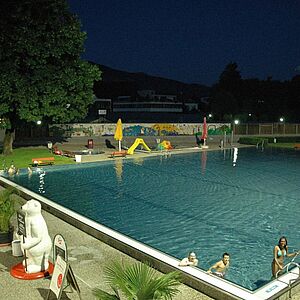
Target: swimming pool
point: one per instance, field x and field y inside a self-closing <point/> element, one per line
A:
<point x="239" y="201"/>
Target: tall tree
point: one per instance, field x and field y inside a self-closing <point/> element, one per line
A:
<point x="42" y="76"/>
<point x="226" y="93"/>
<point x="230" y="78"/>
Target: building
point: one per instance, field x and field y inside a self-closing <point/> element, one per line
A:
<point x="147" y="101"/>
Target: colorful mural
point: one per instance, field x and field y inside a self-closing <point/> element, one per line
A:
<point x="147" y="129"/>
<point x="166" y="129"/>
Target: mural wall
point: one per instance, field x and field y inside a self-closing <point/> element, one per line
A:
<point x="148" y="129"/>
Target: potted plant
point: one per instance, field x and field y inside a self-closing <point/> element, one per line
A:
<point x="7" y="209"/>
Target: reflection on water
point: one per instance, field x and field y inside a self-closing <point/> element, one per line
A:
<point x="119" y="169"/>
<point x="235" y="155"/>
<point x="42" y="174"/>
<point x="203" y="161"/>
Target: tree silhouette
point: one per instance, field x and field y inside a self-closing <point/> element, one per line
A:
<point x="42" y="76"/>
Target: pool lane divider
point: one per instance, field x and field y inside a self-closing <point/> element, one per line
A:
<point x="198" y="279"/>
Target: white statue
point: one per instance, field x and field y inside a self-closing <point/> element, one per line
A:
<point x="37" y="241"/>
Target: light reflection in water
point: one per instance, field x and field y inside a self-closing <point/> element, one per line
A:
<point x="235" y="155"/>
<point x="42" y="174"/>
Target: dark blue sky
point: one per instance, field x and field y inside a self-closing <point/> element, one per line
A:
<point x="193" y="40"/>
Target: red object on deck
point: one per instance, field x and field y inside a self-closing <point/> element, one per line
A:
<point x="18" y="271"/>
<point x="204" y="133"/>
<point x="90" y="144"/>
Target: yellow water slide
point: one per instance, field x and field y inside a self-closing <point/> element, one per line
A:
<point x="136" y="143"/>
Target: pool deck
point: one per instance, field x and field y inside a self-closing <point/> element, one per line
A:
<point x="87" y="255"/>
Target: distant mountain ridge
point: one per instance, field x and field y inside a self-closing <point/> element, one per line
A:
<point x="142" y="81"/>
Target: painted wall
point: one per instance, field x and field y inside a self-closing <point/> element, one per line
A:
<point x="148" y="129"/>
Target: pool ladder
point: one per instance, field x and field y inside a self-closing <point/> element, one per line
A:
<point x="262" y="142"/>
<point x="291" y="281"/>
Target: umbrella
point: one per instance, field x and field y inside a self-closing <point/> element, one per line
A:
<point x="204" y="132"/>
<point x="119" y="133"/>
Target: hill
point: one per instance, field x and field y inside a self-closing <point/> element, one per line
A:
<point x="125" y="83"/>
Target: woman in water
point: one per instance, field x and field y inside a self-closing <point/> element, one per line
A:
<point x="280" y="251"/>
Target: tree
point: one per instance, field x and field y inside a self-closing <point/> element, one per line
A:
<point x="138" y="282"/>
<point x="226" y="93"/>
<point x="42" y="76"/>
<point x="230" y="78"/>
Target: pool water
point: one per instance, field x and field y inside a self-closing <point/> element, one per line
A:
<point x="238" y="201"/>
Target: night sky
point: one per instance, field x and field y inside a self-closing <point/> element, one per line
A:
<point x="193" y="40"/>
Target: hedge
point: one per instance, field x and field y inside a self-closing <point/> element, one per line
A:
<point x="269" y="139"/>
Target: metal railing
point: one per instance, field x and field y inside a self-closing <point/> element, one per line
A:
<point x="287" y="267"/>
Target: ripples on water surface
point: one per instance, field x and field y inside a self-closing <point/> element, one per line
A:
<point x="197" y="201"/>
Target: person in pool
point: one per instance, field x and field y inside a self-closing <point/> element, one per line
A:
<point x="219" y="268"/>
<point x="191" y="260"/>
<point x="280" y="251"/>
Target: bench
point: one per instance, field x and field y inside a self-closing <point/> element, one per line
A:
<point x="68" y="153"/>
<point x="118" y="154"/>
<point x="297" y="146"/>
<point x="43" y="161"/>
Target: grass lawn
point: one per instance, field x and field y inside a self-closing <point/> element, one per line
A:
<point x="283" y="145"/>
<point x="21" y="157"/>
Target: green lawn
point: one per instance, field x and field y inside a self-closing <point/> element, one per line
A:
<point x="21" y="157"/>
<point x="283" y="145"/>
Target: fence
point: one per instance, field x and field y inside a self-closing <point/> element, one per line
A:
<point x="266" y="129"/>
<point x="89" y="129"/>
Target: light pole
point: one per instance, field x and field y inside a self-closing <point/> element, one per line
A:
<point x="235" y="122"/>
<point x="281" y="120"/>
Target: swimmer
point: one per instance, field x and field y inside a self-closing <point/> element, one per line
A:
<point x="191" y="260"/>
<point x="29" y="171"/>
<point x="220" y="267"/>
<point x="11" y="170"/>
<point x="280" y="251"/>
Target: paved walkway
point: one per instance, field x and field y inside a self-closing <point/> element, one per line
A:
<point x="87" y="256"/>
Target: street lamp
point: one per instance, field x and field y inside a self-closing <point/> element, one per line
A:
<point x="281" y="119"/>
<point x="39" y="122"/>
<point x="235" y="122"/>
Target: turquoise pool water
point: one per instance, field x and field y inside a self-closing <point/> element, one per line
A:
<point x="238" y="201"/>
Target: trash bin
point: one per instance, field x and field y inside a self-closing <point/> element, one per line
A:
<point x="49" y="145"/>
<point x="16" y="248"/>
<point x="78" y="158"/>
<point x="90" y="144"/>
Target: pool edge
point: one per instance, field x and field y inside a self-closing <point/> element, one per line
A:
<point x="193" y="277"/>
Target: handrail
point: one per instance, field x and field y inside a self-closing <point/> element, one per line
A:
<point x="297" y="253"/>
<point x="287" y="268"/>
<point x="293" y="279"/>
<point x="262" y="142"/>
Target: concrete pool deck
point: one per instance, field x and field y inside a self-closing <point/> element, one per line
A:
<point x="87" y="256"/>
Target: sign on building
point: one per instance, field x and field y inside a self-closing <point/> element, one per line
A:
<point x="101" y="112"/>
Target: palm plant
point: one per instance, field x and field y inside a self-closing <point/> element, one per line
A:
<point x="138" y="282"/>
